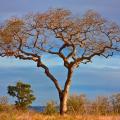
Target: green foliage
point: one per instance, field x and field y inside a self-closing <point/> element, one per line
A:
<point x="23" y="93"/>
<point x="76" y="104"/>
<point x="50" y="108"/>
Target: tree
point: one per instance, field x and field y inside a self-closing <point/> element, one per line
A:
<point x="57" y="32"/>
<point x="23" y="93"/>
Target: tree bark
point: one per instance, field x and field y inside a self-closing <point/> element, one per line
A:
<point x="63" y="96"/>
<point x="63" y="102"/>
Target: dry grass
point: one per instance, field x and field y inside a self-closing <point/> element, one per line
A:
<point x="29" y="115"/>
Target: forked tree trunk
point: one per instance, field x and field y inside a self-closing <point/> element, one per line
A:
<point x="63" y="94"/>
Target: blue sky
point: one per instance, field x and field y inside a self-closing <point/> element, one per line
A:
<point x="102" y="77"/>
<point x="108" y="8"/>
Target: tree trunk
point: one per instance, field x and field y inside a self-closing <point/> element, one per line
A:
<point x="63" y="102"/>
<point x="63" y="96"/>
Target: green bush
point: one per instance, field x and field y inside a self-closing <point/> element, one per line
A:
<point x="23" y="93"/>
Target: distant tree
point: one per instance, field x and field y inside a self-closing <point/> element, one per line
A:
<point x="58" y="33"/>
<point x="23" y="93"/>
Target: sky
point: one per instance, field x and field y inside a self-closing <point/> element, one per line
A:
<point x="102" y="77"/>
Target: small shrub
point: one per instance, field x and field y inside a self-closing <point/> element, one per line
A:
<point x="76" y="104"/>
<point x="50" y="108"/>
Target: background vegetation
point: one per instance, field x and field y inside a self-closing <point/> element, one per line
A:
<point x="79" y="108"/>
<point x="78" y="104"/>
<point x="102" y="105"/>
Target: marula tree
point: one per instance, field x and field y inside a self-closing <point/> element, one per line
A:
<point x="57" y="32"/>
